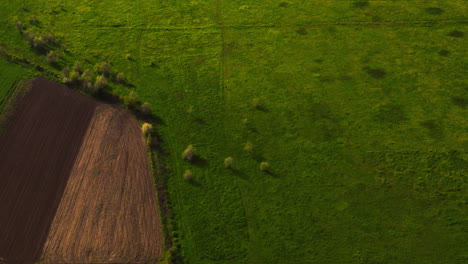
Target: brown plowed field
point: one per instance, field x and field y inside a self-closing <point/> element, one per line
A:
<point x="75" y="183"/>
<point x="108" y="213"/>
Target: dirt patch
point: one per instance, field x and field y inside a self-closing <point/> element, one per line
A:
<point x="38" y="148"/>
<point x="76" y="184"/>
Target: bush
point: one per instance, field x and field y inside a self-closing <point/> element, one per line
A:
<point x="146" y="108"/>
<point x="39" y="42"/>
<point x="264" y="166"/>
<point x="248" y="147"/>
<point x="34" y="21"/>
<point x="75" y="77"/>
<point x="131" y="100"/>
<point x="190" y="110"/>
<point x="188" y="153"/>
<point x="65" y="71"/>
<point x="128" y="56"/>
<point x="19" y="25"/>
<point x="100" y="83"/>
<point x="104" y="68"/>
<point x="146" y="128"/>
<point x="87" y="75"/>
<point x="120" y="78"/>
<point x="228" y="162"/>
<point x="66" y="80"/>
<point x="29" y="36"/>
<point x="188" y="175"/>
<point x="52" y="57"/>
<point x="77" y="67"/>
<point x="256" y="102"/>
<point x="49" y="39"/>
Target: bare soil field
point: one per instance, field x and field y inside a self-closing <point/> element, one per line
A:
<point x="108" y="213"/>
<point x="75" y="183"/>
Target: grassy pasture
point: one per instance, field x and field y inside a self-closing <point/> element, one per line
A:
<point x="9" y="75"/>
<point x="361" y="116"/>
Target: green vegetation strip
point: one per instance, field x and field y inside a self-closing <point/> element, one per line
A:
<point x="12" y="88"/>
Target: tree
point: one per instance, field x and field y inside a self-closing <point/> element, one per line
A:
<point x="52" y="57"/>
<point x="188" y="176"/>
<point x="29" y="35"/>
<point x="100" y="83"/>
<point x="188" y="153"/>
<point x="248" y="147"/>
<point x="190" y="110"/>
<point x="75" y="77"/>
<point x="39" y="42"/>
<point x="264" y="166"/>
<point x="131" y="100"/>
<point x="104" y="68"/>
<point x="19" y="25"/>
<point x="256" y="102"/>
<point x="120" y="77"/>
<point x="77" y="67"/>
<point x="86" y="75"/>
<point x="146" y="128"/>
<point x="228" y="162"/>
<point x="146" y="108"/>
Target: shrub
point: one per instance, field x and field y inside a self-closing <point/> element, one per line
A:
<point x="228" y="162"/>
<point x="264" y="166"/>
<point x="19" y="25"/>
<point x="190" y="110"/>
<point x="188" y="176"/>
<point x="66" y="80"/>
<point x="87" y="75"/>
<point x="104" y="68"/>
<point x="39" y="42"/>
<point x="131" y="100"/>
<point x="49" y="39"/>
<point x="75" y="77"/>
<point x="245" y="121"/>
<point x="34" y="21"/>
<point x="128" y="56"/>
<point x="87" y="85"/>
<point x="248" y="147"/>
<point x="120" y="77"/>
<point x="65" y="71"/>
<point x="52" y="57"/>
<point x="256" y="102"/>
<point x="146" y="128"/>
<point x="188" y="153"/>
<point x="29" y="36"/>
<point x="77" y="67"/>
<point x="146" y="108"/>
<point x="100" y="83"/>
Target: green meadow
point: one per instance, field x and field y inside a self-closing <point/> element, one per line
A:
<point x="359" y="108"/>
<point x="10" y="74"/>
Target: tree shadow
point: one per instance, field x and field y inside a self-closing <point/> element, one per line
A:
<point x="262" y="108"/>
<point x="258" y="157"/>
<point x="195" y="183"/>
<point x="271" y="173"/>
<point x="252" y="129"/>
<point x="200" y="121"/>
<point x="199" y="161"/>
<point x="239" y="173"/>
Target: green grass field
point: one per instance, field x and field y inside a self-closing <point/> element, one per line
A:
<point x="362" y="119"/>
<point x="10" y="74"/>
